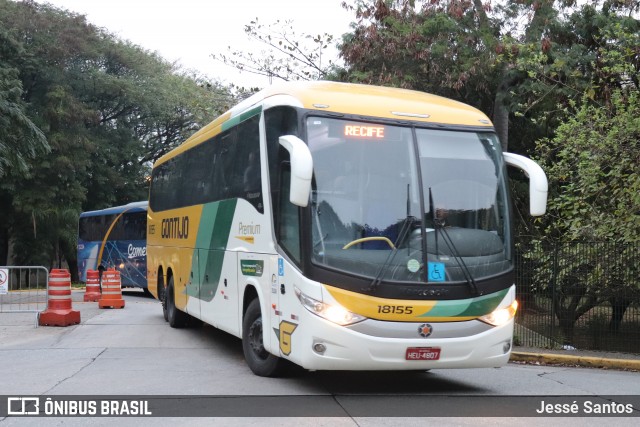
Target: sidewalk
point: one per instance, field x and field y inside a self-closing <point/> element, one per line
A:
<point x="586" y="358"/>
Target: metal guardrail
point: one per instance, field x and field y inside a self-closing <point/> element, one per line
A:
<point x="23" y="289"/>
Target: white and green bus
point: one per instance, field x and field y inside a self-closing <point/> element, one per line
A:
<point x="342" y="227"/>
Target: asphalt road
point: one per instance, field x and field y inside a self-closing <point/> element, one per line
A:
<point x="133" y="352"/>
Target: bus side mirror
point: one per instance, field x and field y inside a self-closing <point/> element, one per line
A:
<point x="301" y="169"/>
<point x="538" y="185"/>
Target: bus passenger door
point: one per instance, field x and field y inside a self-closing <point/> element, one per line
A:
<point x="219" y="289"/>
<point x="226" y="299"/>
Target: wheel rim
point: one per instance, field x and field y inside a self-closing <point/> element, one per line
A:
<point x="255" y="339"/>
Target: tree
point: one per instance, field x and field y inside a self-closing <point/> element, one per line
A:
<point x="517" y="61"/>
<point x="592" y="165"/>
<point x="442" y="47"/>
<point x="184" y="103"/>
<point x="106" y="107"/>
<point x="591" y="158"/>
<point x="288" y="55"/>
<point x="20" y="138"/>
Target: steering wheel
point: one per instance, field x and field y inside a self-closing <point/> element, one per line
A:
<point x="369" y="239"/>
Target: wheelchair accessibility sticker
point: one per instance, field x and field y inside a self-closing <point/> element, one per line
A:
<point x="436" y="272"/>
<point x="280" y="267"/>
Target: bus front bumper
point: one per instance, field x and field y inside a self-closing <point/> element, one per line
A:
<point x="327" y="346"/>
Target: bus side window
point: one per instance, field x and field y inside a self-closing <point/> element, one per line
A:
<point x="286" y="216"/>
<point x="249" y="182"/>
<point x="288" y="227"/>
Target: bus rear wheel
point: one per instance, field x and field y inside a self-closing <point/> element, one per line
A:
<point x="177" y="318"/>
<point x="260" y="361"/>
<point x="162" y="296"/>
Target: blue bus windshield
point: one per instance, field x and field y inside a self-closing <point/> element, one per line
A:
<point x="115" y="238"/>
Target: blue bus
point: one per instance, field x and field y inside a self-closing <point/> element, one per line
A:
<point x="115" y="237"/>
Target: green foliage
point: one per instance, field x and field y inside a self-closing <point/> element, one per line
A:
<point x="106" y="109"/>
<point x="20" y="138"/>
<point x="440" y="47"/>
<point x="589" y="54"/>
<point x="592" y="166"/>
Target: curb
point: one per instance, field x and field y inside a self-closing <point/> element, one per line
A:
<point x="560" y="359"/>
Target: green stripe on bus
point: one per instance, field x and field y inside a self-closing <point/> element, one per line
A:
<point x="472" y="307"/>
<point x="211" y="242"/>
<point x="233" y="121"/>
<point x="248" y="114"/>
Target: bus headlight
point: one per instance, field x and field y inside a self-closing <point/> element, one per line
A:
<point x="333" y="313"/>
<point x="500" y="316"/>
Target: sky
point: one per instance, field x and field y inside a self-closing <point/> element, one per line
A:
<point x="189" y="31"/>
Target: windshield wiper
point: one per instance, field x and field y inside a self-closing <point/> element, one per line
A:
<point x="405" y="229"/>
<point x="407" y="225"/>
<point x="434" y="219"/>
<point x="438" y="226"/>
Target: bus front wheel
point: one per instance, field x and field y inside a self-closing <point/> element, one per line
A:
<point x="260" y="361"/>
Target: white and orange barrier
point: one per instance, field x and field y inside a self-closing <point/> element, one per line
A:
<point x="111" y="290"/>
<point x="92" y="292"/>
<point x="59" y="310"/>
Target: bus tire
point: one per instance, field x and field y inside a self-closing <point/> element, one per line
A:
<point x="260" y="361"/>
<point x="176" y="317"/>
<point x="162" y="296"/>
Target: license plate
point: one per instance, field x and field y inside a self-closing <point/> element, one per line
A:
<point x="423" y="353"/>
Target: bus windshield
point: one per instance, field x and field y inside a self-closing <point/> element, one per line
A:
<point x="115" y="238"/>
<point x="408" y="204"/>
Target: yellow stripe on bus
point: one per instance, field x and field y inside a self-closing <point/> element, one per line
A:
<point x="397" y="310"/>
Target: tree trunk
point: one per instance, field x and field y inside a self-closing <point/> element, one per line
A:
<point x="4" y="245"/>
<point x="73" y="269"/>
<point x="566" y="323"/>
<point x="619" y="306"/>
<point x="501" y="120"/>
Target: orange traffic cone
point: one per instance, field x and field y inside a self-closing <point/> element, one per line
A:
<point x="111" y="290"/>
<point x="59" y="310"/>
<point x="92" y="292"/>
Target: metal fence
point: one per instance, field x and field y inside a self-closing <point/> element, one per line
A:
<point x="23" y="289"/>
<point x="584" y="295"/>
